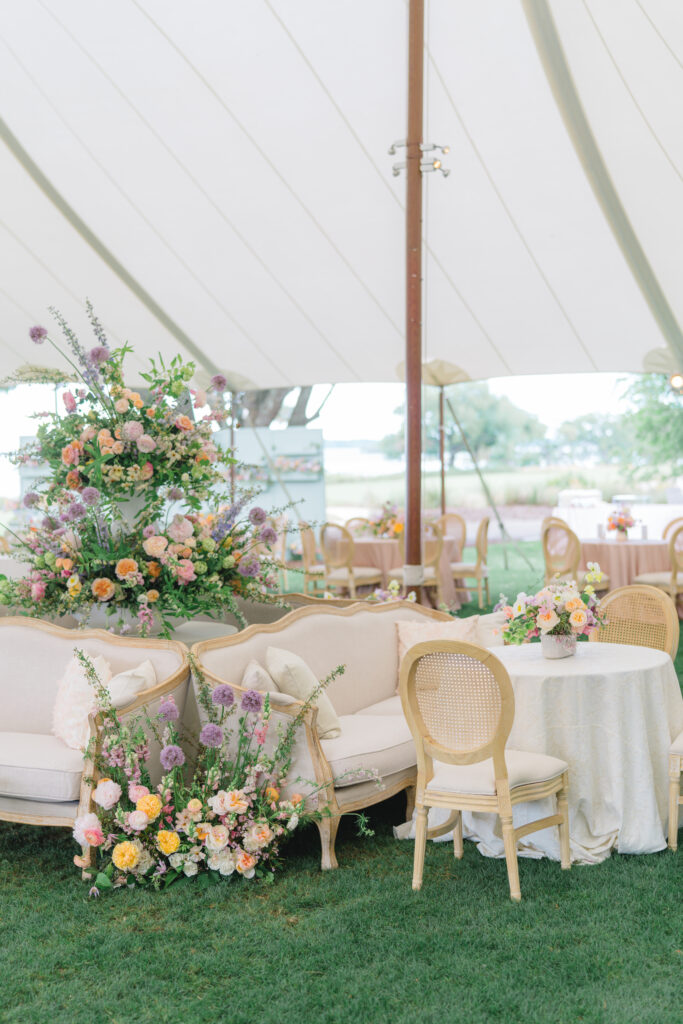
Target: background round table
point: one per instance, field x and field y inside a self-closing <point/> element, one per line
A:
<point x="624" y="560"/>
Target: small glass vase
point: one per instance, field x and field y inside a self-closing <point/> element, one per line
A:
<point x="558" y="646"/>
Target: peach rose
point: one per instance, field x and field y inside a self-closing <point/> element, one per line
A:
<point x="235" y="802"/>
<point x="147" y="471"/>
<point x="73" y="480"/>
<point x="155" y="546"/>
<point x="70" y="456"/>
<point x="154" y="570"/>
<point x="126" y="568"/>
<point x="123" y="405"/>
<point x="258" y="836"/>
<point x="578" y="619"/>
<point x="103" y="589"/>
<point x="573" y="604"/>
<point x="183" y="423"/>
<point x="217" y="838"/>
<point x="545" y="620"/>
<point x="245" y="864"/>
<point x="152" y="596"/>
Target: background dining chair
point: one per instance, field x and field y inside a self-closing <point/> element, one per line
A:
<point x="675" y="798"/>
<point x="673" y="525"/>
<point x="670" y="580"/>
<point x="453" y="525"/>
<point x="475" y="570"/>
<point x="460" y="706"/>
<point x="337" y="546"/>
<point x="314" y="571"/>
<point x="358" y="525"/>
<point x="432" y="547"/>
<point x="640" y="615"/>
<point x="561" y="550"/>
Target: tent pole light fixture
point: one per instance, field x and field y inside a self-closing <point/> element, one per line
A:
<point x="676" y="382"/>
<point x="397" y="168"/>
<point x="428" y="147"/>
<point x="399" y="144"/>
<point x="426" y="166"/>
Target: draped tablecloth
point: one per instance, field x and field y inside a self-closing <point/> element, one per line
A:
<point x="384" y="553"/>
<point x="611" y="712"/>
<point x="624" y="560"/>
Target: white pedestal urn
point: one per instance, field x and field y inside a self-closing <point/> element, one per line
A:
<point x="129" y="511"/>
<point x="557" y="646"/>
<point x="121" y="621"/>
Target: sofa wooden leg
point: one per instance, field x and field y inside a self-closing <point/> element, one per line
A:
<point x="411" y="792"/>
<point x="328" y="834"/>
<point x="85" y="862"/>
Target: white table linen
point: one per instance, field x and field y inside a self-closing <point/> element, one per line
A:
<point x="611" y="712"/>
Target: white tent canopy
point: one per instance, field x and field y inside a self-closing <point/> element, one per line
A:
<point x="215" y="178"/>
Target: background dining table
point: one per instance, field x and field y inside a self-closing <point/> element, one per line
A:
<point x="624" y="560"/>
<point x="611" y="712"/>
<point x="384" y="553"/>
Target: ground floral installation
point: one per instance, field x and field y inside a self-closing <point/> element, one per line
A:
<point x="224" y="817"/>
<point x="110" y="450"/>
<point x="559" y="609"/>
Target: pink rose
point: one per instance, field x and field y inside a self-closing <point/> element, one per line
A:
<point x="155" y="546"/>
<point x="146" y="443"/>
<point x="85" y="823"/>
<point x="107" y="794"/>
<point x="123" y="405"/>
<point x="184" y="571"/>
<point x="147" y="471"/>
<point x="132" y="430"/>
<point x="200" y="398"/>
<point x="87" y="434"/>
<point x="38" y="591"/>
<point x="138" y="820"/>
<point x="94" y="836"/>
<point x="136" y="791"/>
<point x="180" y="529"/>
<point x="69" y="401"/>
<point x="117" y="447"/>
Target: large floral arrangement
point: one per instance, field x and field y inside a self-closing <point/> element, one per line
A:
<point x="132" y="517"/>
<point x="388" y="522"/>
<point x="621" y="520"/>
<point x="559" y="609"/>
<point x="227" y="816"/>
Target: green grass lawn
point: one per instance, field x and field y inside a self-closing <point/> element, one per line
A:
<point x="597" y="944"/>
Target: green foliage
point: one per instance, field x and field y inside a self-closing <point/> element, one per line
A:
<point x="655" y="427"/>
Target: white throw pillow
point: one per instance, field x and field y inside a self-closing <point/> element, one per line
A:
<point x="411" y="633"/>
<point x="125" y="686"/>
<point x="490" y="629"/>
<point x="293" y="676"/>
<point x="256" y="678"/>
<point x="76" y="700"/>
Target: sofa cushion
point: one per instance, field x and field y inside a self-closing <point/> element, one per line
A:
<point x="125" y="686"/>
<point x="293" y="676"/>
<point x="490" y="629"/>
<point x="257" y="678"/>
<point x="479" y="778"/>
<point x="390" y="706"/>
<point x="76" y="700"/>
<point x="369" y="743"/>
<point x="34" y="766"/>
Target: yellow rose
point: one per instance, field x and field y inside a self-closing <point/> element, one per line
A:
<point x="125" y="856"/>
<point x="194" y="805"/>
<point x="272" y="794"/>
<point x="168" y="842"/>
<point x="150" y="804"/>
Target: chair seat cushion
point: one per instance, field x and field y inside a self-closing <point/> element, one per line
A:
<point x="429" y="574"/>
<point x="468" y="569"/>
<point x="657" y="578"/>
<point x="369" y="743"/>
<point x="34" y="766"/>
<point x="677" y="745"/>
<point x="390" y="706"/>
<point x="360" y="572"/>
<point x="479" y="779"/>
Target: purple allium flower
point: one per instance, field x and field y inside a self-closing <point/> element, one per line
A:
<point x="211" y="735"/>
<point x="38" y="334"/>
<point x="171" y="757"/>
<point x="168" y="711"/>
<point x="77" y="510"/>
<point x="175" y="494"/>
<point x="257" y="516"/>
<point x="268" y="535"/>
<point x="252" y="701"/>
<point x="90" y="495"/>
<point x="248" y="568"/>
<point x="48" y="523"/>
<point x="99" y="355"/>
<point x="31" y="499"/>
<point x="224" y="695"/>
<point x="219" y="382"/>
<point x="65" y="517"/>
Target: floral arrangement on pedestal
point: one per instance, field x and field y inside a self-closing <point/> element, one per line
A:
<point x="621" y="521"/>
<point x="388" y="523"/>
<point x="559" y="609"/>
<point x="123" y="523"/>
<point x="226" y="817"/>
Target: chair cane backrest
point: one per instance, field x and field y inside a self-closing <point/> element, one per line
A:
<point x="673" y="525"/>
<point x="432" y="546"/>
<point x="640" y="615"/>
<point x="676" y="552"/>
<point x="459" y="704"/>
<point x="308" y="546"/>
<point x="358" y="525"/>
<point x="336" y="543"/>
<point x="561" y="550"/>
<point x="453" y="525"/>
<point x="482" y="541"/>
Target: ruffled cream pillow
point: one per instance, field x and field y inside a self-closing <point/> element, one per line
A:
<point x="411" y="633"/>
<point x="125" y="686"/>
<point x="76" y="700"/>
<point x="294" y="677"/>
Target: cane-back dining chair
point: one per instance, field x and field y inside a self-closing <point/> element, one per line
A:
<point x="337" y="547"/>
<point x="460" y="706"/>
<point x="640" y="615"/>
<point x="359" y="526"/>
<point x="670" y="526"/>
<point x="476" y="570"/>
<point x="314" y="571"/>
<point x="670" y="580"/>
<point x="561" y="550"/>
<point x="432" y="547"/>
<point x="453" y="525"/>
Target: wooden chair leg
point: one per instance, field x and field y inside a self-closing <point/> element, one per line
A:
<point x="420" y="844"/>
<point x="563" y="809"/>
<point x="328" y="828"/>
<point x="486" y="585"/>
<point x="411" y="793"/>
<point x="510" y="843"/>
<point x="352" y="587"/>
<point x="458" y="848"/>
<point x="480" y="592"/>
<point x="674" y="794"/>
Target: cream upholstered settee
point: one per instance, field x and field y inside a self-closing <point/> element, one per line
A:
<point x="375" y="738"/>
<point x="42" y="780"/>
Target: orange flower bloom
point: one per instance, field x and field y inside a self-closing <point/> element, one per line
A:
<point x="126" y="567"/>
<point x="150" y="412"/>
<point x="64" y="563"/>
<point x="103" y="589"/>
<point x="183" y="423"/>
<point x="73" y="479"/>
<point x="154" y="569"/>
<point x="152" y="595"/>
